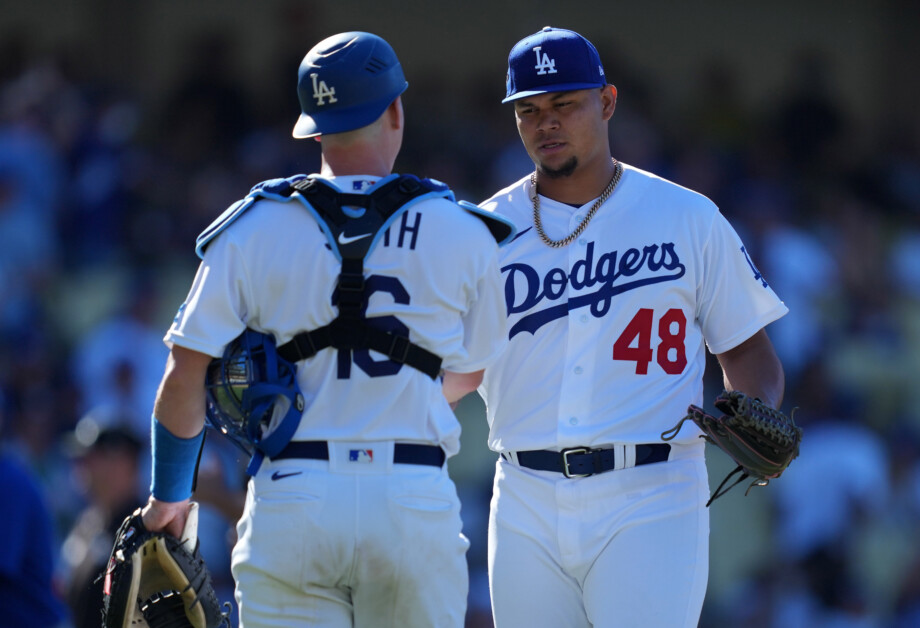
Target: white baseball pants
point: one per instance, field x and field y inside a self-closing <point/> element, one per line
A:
<point x="351" y="542"/>
<point x="623" y="549"/>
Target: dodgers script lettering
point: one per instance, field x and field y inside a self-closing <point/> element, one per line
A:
<point x="660" y="261"/>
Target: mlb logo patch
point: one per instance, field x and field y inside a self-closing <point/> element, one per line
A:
<point x="360" y="455"/>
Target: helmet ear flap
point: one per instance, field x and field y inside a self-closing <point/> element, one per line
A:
<point x="243" y="388"/>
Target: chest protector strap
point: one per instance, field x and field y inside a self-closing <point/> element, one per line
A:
<point x="352" y="235"/>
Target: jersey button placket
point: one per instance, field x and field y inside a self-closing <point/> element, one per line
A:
<point x="576" y="390"/>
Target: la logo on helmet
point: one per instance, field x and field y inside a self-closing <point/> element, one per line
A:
<point x="545" y="65"/>
<point x="321" y="91"/>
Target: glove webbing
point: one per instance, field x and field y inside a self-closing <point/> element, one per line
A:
<point x="769" y="422"/>
<point x="165" y="611"/>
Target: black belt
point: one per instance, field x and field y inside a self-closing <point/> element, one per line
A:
<point x="403" y="453"/>
<point x="584" y="461"/>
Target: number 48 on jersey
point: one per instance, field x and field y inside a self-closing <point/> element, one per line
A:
<point x="635" y="343"/>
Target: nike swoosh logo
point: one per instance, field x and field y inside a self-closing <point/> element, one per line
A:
<point x="277" y="475"/>
<point x="348" y="240"/>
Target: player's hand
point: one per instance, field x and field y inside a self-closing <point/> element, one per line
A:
<point x="166" y="516"/>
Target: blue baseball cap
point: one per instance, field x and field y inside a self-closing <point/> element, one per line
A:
<point x="552" y="60"/>
<point x="346" y="82"/>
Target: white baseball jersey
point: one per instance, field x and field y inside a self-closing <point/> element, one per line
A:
<point x="607" y="335"/>
<point x="434" y="272"/>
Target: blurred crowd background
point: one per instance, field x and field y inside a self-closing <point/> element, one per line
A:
<point x="125" y="130"/>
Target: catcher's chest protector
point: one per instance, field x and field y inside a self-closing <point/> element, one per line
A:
<point x="351" y="236"/>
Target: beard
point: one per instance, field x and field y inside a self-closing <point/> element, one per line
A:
<point x="565" y="170"/>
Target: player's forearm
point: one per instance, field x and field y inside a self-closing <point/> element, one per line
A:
<point x="178" y="425"/>
<point x="457" y="385"/>
<point x="754" y="369"/>
<point x="180" y="403"/>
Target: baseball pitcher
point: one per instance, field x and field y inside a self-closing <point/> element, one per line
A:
<point x="616" y="284"/>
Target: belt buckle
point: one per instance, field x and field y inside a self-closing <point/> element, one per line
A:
<point x="565" y="461"/>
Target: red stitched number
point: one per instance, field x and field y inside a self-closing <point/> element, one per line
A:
<point x="672" y="340"/>
<point x="635" y="343"/>
<point x="639" y="327"/>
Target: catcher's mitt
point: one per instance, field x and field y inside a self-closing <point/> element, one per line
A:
<point x="155" y="580"/>
<point x="762" y="440"/>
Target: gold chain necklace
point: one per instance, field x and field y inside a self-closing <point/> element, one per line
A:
<point x="617" y="173"/>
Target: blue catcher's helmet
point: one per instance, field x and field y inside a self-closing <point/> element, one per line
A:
<point x="252" y="395"/>
<point x="346" y="82"/>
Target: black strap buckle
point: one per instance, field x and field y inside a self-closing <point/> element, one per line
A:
<point x="308" y="337"/>
<point x="565" y="461"/>
<point x="351" y="282"/>
<point x="305" y="186"/>
<point x="351" y="297"/>
<point x="409" y="186"/>
<point x="399" y="348"/>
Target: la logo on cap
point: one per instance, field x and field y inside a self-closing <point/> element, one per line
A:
<point x="321" y="90"/>
<point x="545" y="65"/>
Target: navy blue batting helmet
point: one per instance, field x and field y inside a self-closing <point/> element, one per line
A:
<point x="346" y="82"/>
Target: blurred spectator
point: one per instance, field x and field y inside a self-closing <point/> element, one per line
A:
<point x="118" y="364"/>
<point x="105" y="164"/>
<point x="27" y="595"/>
<point x="28" y="144"/>
<point x="28" y="250"/>
<point x="636" y="136"/>
<point x="785" y="250"/>
<point x="106" y="463"/>
<point x="841" y="474"/>
<point x="898" y="166"/>
<point x="904" y="262"/>
<point x="716" y="111"/>
<point x="907" y="610"/>
<point x="34" y="439"/>
<point x="809" y="121"/>
<point x="209" y="110"/>
<point x="829" y="596"/>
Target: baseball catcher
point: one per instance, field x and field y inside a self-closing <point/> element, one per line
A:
<point x="760" y="439"/>
<point x="155" y="580"/>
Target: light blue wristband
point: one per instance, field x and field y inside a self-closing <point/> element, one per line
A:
<point x="174" y="463"/>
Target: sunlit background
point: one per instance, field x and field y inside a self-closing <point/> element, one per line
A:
<point x="126" y="127"/>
